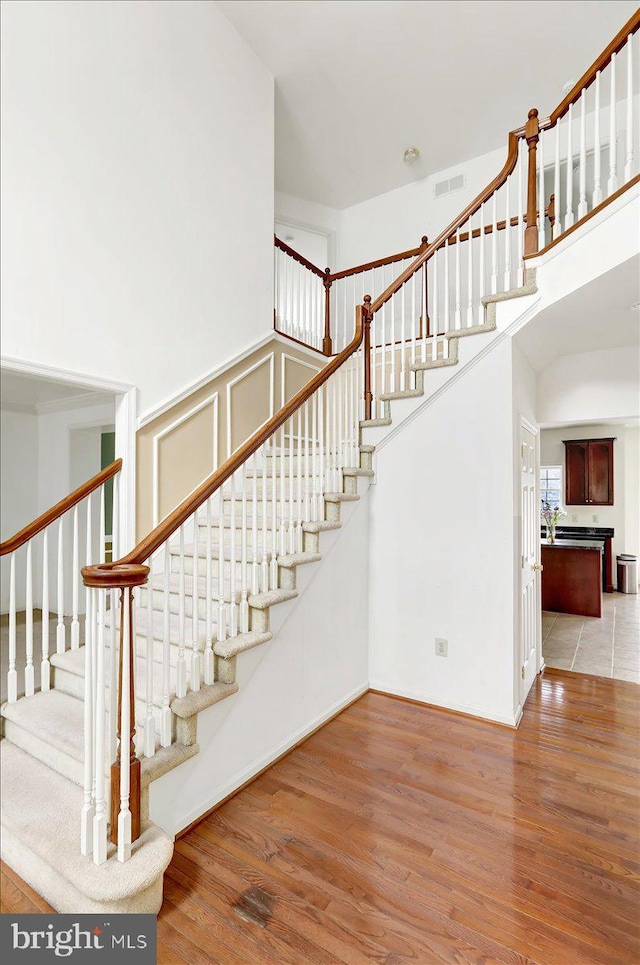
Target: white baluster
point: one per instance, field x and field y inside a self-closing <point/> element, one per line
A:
<point x="542" y="240"/>
<point x="12" y="675"/>
<point x="482" y="266"/>
<point x="322" y="421"/>
<point x="45" y="666"/>
<point x="255" y="565"/>
<point x="314" y="456"/>
<point x="557" y="225"/>
<point x="29" y="679"/>
<point x="181" y="668"/>
<point x="291" y="545"/>
<point x="597" y="148"/>
<point x="392" y="347"/>
<point x="435" y="308"/>
<point x="244" y="603"/>
<point x="306" y="514"/>
<point x="60" y="630"/>
<point x="99" y="834"/>
<point x="283" y="518"/>
<point x="494" y="246"/>
<point x="88" y="811"/>
<point x="457" y="318"/>
<point x="507" y="235"/>
<point x="582" y="203"/>
<point x="273" y="565"/>
<point x="414" y="319"/>
<point x="149" y="726"/>
<point x="165" y="713"/>
<point x="195" y="597"/>
<point x="522" y="204"/>
<point x="568" y="220"/>
<point x="264" y="569"/>
<point x="470" y="318"/>
<point x="75" y="577"/>
<point x="113" y="671"/>
<point x="221" y="631"/>
<point x="383" y="325"/>
<point x="124" y="814"/>
<point x="299" y="510"/>
<point x="612" y="183"/>
<point x="208" y="670"/>
<point x="628" y="167"/>
<point x="446" y="285"/>
<point x="233" y="606"/>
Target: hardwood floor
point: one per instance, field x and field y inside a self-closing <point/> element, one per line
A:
<point x="402" y="834"/>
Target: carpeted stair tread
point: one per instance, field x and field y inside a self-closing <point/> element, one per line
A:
<point x="50" y="833"/>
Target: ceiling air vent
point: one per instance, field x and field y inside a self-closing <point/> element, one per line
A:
<point x="446" y="187"/>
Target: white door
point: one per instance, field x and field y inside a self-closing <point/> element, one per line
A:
<point x="529" y="565"/>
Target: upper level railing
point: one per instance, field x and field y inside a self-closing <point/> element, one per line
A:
<point x="199" y="569"/>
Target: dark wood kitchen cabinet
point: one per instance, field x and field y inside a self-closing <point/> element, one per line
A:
<point x="589" y="472"/>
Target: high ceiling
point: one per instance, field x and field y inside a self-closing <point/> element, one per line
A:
<point x="359" y="81"/>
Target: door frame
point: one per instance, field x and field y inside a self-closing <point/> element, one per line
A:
<point x="524" y="423"/>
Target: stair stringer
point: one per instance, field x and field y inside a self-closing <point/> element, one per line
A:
<point x="316" y="664"/>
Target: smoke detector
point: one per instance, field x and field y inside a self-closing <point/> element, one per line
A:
<point x="411" y="155"/>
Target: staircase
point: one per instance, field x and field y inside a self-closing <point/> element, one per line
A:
<point x="167" y="623"/>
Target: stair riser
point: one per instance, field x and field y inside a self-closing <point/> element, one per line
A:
<point x="53" y="757"/>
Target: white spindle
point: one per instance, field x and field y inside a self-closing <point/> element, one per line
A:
<point x="99" y="835"/>
<point x="568" y="219"/>
<point x="195" y="598"/>
<point x="12" y="675"/>
<point x="612" y="183"/>
<point x="446" y="285"/>
<point x="542" y="196"/>
<point x="457" y="319"/>
<point x="494" y="246"/>
<point x="75" y="578"/>
<point x="597" y="148"/>
<point x="470" y="318"/>
<point x="628" y="166"/>
<point x="124" y="814"/>
<point x="283" y="519"/>
<point x="435" y="308"/>
<point x="557" y="224"/>
<point x="208" y="669"/>
<point x="291" y="543"/>
<point x="233" y="606"/>
<point x="273" y="565"/>
<point x="88" y="811"/>
<point x="315" y="457"/>
<point x="244" y="583"/>
<point x="60" y="630"/>
<point x="255" y="565"/>
<point x="392" y="347"/>
<point x="306" y="514"/>
<point x="221" y="630"/>
<point x="522" y="204"/>
<point x="300" y="480"/>
<point x="507" y="235"/>
<point x="482" y="291"/>
<point x="181" y="668"/>
<point x="165" y="713"/>
<point x="29" y="678"/>
<point x="413" y="321"/>
<point x="582" y="202"/>
<point x="45" y="666"/>
<point x="149" y="745"/>
<point x="113" y="672"/>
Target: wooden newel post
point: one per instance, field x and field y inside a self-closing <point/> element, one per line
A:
<point x="366" y="319"/>
<point x="532" y="135"/>
<point x="326" y="341"/>
<point x="125" y="770"/>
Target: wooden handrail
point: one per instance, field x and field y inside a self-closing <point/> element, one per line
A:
<point x="498" y="181"/>
<point x="50" y="516"/>
<point x="99" y="576"/>
<point x="298" y="257"/>
<point x="599" y="63"/>
<point x="380" y="262"/>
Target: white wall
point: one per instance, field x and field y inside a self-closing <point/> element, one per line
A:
<point x="622" y="516"/>
<point x="137" y="206"/>
<point x="315" y="665"/>
<point x="590" y="386"/>
<point x="19" y="485"/>
<point x="441" y="548"/>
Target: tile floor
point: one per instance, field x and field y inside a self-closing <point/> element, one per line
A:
<point x="608" y="646"/>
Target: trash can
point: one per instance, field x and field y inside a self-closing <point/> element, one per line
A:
<point x="627" y="573"/>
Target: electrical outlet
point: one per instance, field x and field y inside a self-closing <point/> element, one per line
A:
<point x="441" y="647"/>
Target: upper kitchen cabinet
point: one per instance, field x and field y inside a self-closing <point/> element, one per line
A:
<point x="589" y="472"/>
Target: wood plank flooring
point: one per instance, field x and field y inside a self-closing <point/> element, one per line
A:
<point x="401" y="834"/>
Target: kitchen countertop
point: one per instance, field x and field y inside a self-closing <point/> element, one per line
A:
<point x="577" y="544"/>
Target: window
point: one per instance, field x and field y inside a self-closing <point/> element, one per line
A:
<point x="551" y="486"/>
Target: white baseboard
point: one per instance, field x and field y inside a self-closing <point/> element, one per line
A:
<point x="511" y="720"/>
<point x="264" y="760"/>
